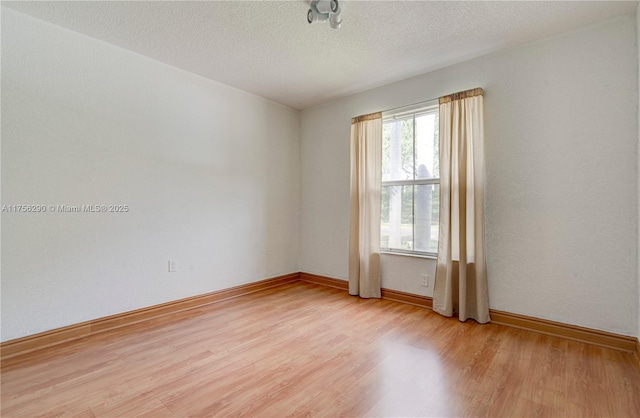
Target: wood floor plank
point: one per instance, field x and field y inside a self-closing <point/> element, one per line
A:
<point x="303" y="350"/>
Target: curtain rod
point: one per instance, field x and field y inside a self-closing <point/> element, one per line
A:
<point x="478" y="91"/>
<point x="409" y="106"/>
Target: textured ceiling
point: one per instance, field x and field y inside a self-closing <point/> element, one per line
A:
<point x="267" y="48"/>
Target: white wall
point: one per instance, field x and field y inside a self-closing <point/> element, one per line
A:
<point x="561" y="197"/>
<point x="638" y="150"/>
<point x="210" y="174"/>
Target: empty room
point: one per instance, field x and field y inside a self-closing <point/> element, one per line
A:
<point x="320" y="208"/>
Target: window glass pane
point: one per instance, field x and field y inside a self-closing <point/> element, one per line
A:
<point x="427" y="164"/>
<point x="384" y="216"/>
<point x="426" y="209"/>
<point x="397" y="149"/>
<point x="410" y="148"/>
<point x="396" y="228"/>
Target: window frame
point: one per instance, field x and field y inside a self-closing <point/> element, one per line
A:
<point x="399" y="113"/>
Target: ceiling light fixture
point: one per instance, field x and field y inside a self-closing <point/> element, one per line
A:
<point x="323" y="10"/>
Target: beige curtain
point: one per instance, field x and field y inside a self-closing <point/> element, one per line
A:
<point x="461" y="274"/>
<point x="364" y="229"/>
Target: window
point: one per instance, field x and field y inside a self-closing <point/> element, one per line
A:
<point x="410" y="182"/>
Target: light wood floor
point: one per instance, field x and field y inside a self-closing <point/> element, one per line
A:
<point x="306" y="350"/>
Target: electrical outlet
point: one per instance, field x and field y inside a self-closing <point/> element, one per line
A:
<point x="425" y="280"/>
<point x="173" y="266"/>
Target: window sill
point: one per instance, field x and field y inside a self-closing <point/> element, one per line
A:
<point x="427" y="256"/>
